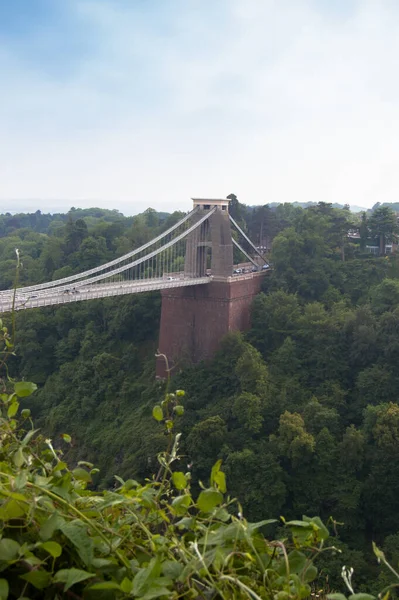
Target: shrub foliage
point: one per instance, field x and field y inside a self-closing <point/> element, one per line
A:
<point x="60" y="538"/>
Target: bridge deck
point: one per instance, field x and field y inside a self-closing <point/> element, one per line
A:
<point x="53" y="297"/>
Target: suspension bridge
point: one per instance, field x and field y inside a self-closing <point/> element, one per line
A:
<point x="195" y="251"/>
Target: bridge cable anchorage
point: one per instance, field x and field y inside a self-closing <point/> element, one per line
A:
<point x="86" y="283"/>
<point x="77" y="276"/>
<point x="237" y="245"/>
<point x="248" y="240"/>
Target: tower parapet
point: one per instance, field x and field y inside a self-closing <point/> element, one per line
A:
<point x="209" y="203"/>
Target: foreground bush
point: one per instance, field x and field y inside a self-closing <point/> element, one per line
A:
<point x="60" y="539"/>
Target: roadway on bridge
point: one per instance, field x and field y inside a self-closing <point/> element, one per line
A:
<point x="63" y="295"/>
<point x="53" y="296"/>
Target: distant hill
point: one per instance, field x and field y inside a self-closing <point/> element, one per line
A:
<point x="353" y="208"/>
<point x="393" y="205"/>
<point x="48" y="222"/>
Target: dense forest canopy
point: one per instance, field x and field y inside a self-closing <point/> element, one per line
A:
<point x="303" y="409"/>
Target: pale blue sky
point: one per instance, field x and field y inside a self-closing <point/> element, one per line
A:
<point x="134" y="103"/>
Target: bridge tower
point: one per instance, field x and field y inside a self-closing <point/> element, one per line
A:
<point x="211" y="240"/>
<point x="194" y="319"/>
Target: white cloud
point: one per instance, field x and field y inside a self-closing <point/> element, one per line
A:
<point x="274" y="101"/>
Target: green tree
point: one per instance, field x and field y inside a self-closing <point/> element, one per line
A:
<point x="385" y="296"/>
<point x="258" y="481"/>
<point x="384" y="226"/>
<point x="237" y="210"/>
<point x="92" y="252"/>
<point x="363" y="231"/>
<point x="274" y="317"/>
<point x="381" y="486"/>
<point x="292" y="440"/>
<point x="75" y="233"/>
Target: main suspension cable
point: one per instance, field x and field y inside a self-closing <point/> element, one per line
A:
<point x="77" y="276"/>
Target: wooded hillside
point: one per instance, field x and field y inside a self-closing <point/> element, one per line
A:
<point x="303" y="409"/>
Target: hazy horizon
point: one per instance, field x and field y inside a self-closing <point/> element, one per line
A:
<point x="66" y="206"/>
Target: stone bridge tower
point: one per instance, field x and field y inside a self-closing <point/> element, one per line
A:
<point x="213" y="235"/>
<point x="194" y="319"/>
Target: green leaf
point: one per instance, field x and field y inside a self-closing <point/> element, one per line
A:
<point x="76" y="532"/>
<point x="4" y="589"/>
<point x="20" y="480"/>
<point x="216" y="537"/>
<point x="66" y="437"/>
<point x="222" y="515"/>
<point x="322" y="531"/>
<point x="126" y="585"/>
<point x="172" y="569"/>
<point x="13" y="409"/>
<point x="19" y="458"/>
<point x="15" y="495"/>
<point x="378" y="553"/>
<point x="179" y="410"/>
<point x="84" y="463"/>
<point x="156" y="591"/>
<point x="157" y="413"/>
<point x="81" y="474"/>
<point x="52" y="548"/>
<point x="209" y="499"/>
<point x="220" y="481"/>
<point x="218" y="478"/>
<point x="181" y="504"/>
<point x="361" y="596"/>
<point x="25" y="413"/>
<point x="253" y="526"/>
<point x="303" y="532"/>
<point x="12" y="509"/>
<point x="71" y="576"/>
<point x="105" y="585"/>
<point x="24" y="388"/>
<point x="310" y="573"/>
<point x="296" y="560"/>
<point x="28" y="437"/>
<point x="185" y="523"/>
<point x="305" y="525"/>
<point x="179" y="480"/>
<point x="143" y="577"/>
<point x="9" y="549"/>
<point x="50" y="525"/>
<point x="215" y="469"/>
<point x="336" y="597"/>
<point x="60" y="466"/>
<point x="38" y="578"/>
<point x="102" y="563"/>
<point x="32" y="560"/>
